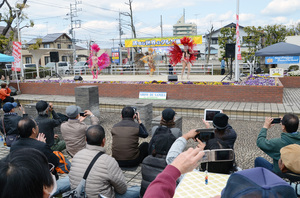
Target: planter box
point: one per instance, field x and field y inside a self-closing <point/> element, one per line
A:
<point x="235" y="93"/>
<point x="290" y="81"/>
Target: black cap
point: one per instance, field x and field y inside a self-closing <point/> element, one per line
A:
<point x="41" y="106"/>
<point x="168" y="114"/>
<point x="220" y="121"/>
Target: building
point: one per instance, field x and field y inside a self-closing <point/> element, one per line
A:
<point x="184" y="29"/>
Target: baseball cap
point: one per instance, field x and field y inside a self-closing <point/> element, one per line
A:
<point x="220" y="121"/>
<point x="168" y="114"/>
<point x="256" y="182"/>
<point x="41" y="106"/>
<point x="72" y="111"/>
<point x="7" y="107"/>
<point x="290" y="156"/>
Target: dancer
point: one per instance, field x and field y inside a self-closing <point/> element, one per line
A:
<point x="97" y="63"/>
<point x="150" y="56"/>
<point x="187" y="57"/>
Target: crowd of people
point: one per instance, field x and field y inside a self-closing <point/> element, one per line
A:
<point x="32" y="164"/>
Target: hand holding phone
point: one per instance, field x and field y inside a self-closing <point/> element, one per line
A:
<point x="82" y="114"/>
<point x="276" y="121"/>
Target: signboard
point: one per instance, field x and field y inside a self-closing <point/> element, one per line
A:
<point x="239" y="56"/>
<point x="158" y="42"/>
<point x="115" y="53"/>
<point x="16" y="66"/>
<point x="153" y="95"/>
<point x="276" y="72"/>
<point x="282" y="60"/>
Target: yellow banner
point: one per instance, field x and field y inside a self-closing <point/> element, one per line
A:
<point x="159" y="42"/>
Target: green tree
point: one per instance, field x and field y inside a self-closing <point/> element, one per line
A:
<point x="227" y="36"/>
<point x="253" y="41"/>
<point x="36" y="45"/>
<point x="274" y="34"/>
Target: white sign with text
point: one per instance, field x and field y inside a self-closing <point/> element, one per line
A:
<point x="276" y="72"/>
<point x="153" y="95"/>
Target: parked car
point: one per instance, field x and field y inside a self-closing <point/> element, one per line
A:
<point x="80" y="67"/>
<point x="29" y="66"/>
<point x="63" y="67"/>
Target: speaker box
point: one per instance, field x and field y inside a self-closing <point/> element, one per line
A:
<point x="78" y="78"/>
<point x="54" y="57"/>
<point x="230" y="50"/>
<point x="172" y="78"/>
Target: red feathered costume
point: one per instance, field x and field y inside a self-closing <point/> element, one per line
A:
<point x="176" y="53"/>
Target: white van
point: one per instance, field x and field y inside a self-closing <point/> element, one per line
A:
<point x="63" y="67"/>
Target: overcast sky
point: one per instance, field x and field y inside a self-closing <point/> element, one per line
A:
<point x="100" y="19"/>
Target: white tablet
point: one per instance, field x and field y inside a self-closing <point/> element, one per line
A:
<point x="210" y="113"/>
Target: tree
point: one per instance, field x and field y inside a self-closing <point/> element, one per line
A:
<point x="131" y="20"/>
<point x="253" y="41"/>
<point x="227" y="37"/>
<point x="274" y="34"/>
<point x="9" y="32"/>
<point x="209" y="42"/>
<point x="294" y="30"/>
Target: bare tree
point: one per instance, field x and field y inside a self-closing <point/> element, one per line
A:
<point x="131" y="21"/>
<point x="209" y="42"/>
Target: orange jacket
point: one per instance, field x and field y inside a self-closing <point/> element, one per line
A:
<point x="4" y="93"/>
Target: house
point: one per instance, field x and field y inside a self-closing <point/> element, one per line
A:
<point x="184" y="29"/>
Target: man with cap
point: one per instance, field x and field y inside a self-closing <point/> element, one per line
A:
<point x="289" y="135"/>
<point x="9" y="122"/>
<point x="125" y="139"/>
<point x="47" y="125"/>
<point x="223" y="130"/>
<point x="73" y="131"/>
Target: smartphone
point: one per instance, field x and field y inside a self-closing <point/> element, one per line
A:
<point x="276" y="121"/>
<point x="205" y="134"/>
<point x="82" y="115"/>
<point x="218" y="155"/>
<point x="210" y="113"/>
<point x="18" y="103"/>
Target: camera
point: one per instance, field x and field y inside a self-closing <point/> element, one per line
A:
<point x="82" y="114"/>
<point x="205" y="134"/>
<point x="134" y="110"/>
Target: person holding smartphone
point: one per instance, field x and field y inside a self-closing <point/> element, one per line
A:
<point x="289" y="126"/>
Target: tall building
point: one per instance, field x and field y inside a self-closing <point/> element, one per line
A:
<point x="184" y="29"/>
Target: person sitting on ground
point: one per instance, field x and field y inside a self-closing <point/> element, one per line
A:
<point x="5" y="93"/>
<point x="9" y="123"/>
<point x="31" y="138"/>
<point x="125" y="139"/>
<point x="166" y="126"/>
<point x="154" y="164"/>
<point x="73" y="131"/>
<point x="47" y="125"/>
<point x="106" y="177"/>
<point x="25" y="173"/>
<point x="223" y="130"/>
<point x="165" y="183"/>
<point x="289" y="164"/>
<point x="289" y="126"/>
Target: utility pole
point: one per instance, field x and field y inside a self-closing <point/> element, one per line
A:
<point x="74" y="24"/>
<point x="19" y="39"/>
<point x="161" y="26"/>
<point x="120" y="34"/>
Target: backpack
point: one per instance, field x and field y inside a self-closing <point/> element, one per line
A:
<point x="162" y="140"/>
<point x="64" y="164"/>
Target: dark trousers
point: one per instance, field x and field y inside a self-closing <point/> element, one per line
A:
<point x="9" y="99"/>
<point x="135" y="162"/>
<point x="222" y="71"/>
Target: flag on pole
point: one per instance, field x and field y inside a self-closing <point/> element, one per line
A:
<point x="17" y="55"/>
<point x="239" y="56"/>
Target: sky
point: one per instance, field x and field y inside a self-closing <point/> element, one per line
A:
<point x="100" y="19"/>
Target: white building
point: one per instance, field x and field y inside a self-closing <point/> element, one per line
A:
<point x="184" y="29"/>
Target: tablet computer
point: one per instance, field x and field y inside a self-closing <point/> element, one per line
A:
<point x="210" y="113"/>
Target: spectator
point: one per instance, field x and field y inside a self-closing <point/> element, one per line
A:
<point x="289" y="126"/>
<point x="223" y="66"/>
<point x="166" y="127"/>
<point x="165" y="183"/>
<point x="47" y="125"/>
<point x="106" y="177"/>
<point x="125" y="139"/>
<point x="29" y="131"/>
<point x="5" y="93"/>
<point x="25" y="173"/>
<point x="154" y="164"/>
<point x="223" y="130"/>
<point x="9" y="123"/>
<point x="73" y="131"/>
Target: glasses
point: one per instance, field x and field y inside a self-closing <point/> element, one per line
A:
<point x="51" y="167"/>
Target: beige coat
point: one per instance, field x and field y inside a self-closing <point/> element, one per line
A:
<point x="105" y="177"/>
<point x="73" y="132"/>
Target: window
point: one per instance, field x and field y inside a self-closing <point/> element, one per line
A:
<point x="69" y="46"/>
<point x="64" y="58"/>
<point x="58" y="46"/>
<point x="28" y="60"/>
<point x="47" y="45"/>
<point x="47" y="59"/>
<point x="214" y="41"/>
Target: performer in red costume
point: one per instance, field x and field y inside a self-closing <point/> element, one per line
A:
<point x="187" y="57"/>
<point x="97" y="63"/>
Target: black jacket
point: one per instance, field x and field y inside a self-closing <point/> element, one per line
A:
<point x="151" y="167"/>
<point x="11" y="123"/>
<point x="33" y="143"/>
<point x="47" y="125"/>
